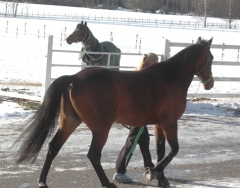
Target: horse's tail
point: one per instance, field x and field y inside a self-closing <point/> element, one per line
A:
<point x="42" y="123"/>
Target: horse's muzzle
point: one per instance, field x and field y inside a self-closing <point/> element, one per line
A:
<point x="209" y="85"/>
<point x="69" y="40"/>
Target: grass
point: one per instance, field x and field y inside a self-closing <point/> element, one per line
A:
<point x="21" y="84"/>
<point x="25" y="104"/>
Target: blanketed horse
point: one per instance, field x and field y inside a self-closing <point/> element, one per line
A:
<point x="90" y="44"/>
<point x="99" y="97"/>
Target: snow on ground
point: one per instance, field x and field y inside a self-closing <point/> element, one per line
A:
<point x="23" y="57"/>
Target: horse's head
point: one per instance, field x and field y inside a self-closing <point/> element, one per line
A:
<point x="79" y="34"/>
<point x="204" y="68"/>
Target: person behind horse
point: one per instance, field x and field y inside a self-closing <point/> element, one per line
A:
<point x="136" y="135"/>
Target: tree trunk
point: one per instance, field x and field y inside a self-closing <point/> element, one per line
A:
<point x="205" y="13"/>
<point x="230" y="14"/>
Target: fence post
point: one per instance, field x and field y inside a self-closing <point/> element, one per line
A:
<point x="109" y="57"/>
<point x="111" y="36"/>
<point x="136" y="41"/>
<point x="47" y="71"/>
<point x="238" y="55"/>
<point x="17" y="32"/>
<point x="7" y="27"/>
<point x="140" y="43"/>
<point x="223" y="50"/>
<point x="44" y="31"/>
<point x="166" y="52"/>
<point x="61" y="39"/>
<point x="25" y="28"/>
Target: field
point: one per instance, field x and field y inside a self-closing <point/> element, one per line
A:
<point x="208" y="131"/>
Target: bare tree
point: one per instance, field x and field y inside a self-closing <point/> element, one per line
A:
<point x="201" y="11"/>
<point x="233" y="12"/>
<point x="6" y="6"/>
<point x="205" y="13"/>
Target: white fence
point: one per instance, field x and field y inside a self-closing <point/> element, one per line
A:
<point x="168" y="46"/>
<point x="131" y="21"/>
<point x="48" y="78"/>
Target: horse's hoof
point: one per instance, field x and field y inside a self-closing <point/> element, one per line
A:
<point x="42" y="185"/>
<point x="112" y="185"/>
<point x="149" y="173"/>
<point x="164" y="183"/>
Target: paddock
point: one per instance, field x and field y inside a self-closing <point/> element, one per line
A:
<point x="222" y="150"/>
<point x="208" y="137"/>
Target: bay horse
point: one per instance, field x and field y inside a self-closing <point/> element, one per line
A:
<point x="90" y="44"/>
<point x="99" y="97"/>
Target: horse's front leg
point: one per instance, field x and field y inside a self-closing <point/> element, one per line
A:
<point x="160" y="150"/>
<point x="98" y="141"/>
<point x="170" y="133"/>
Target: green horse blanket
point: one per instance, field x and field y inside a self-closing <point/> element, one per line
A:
<point x="93" y="45"/>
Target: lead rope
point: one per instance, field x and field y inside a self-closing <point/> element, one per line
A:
<point x="195" y="93"/>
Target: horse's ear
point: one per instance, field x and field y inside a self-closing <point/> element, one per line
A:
<point x="81" y="22"/>
<point x="199" y="39"/>
<point x="210" y="42"/>
<point x="85" y="23"/>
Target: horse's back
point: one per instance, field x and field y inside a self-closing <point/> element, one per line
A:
<point x="110" y="47"/>
<point x="115" y="59"/>
<point x="125" y="94"/>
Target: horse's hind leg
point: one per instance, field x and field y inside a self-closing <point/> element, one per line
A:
<point x="68" y="123"/>
<point x="98" y="141"/>
<point x="54" y="146"/>
<point x="160" y="142"/>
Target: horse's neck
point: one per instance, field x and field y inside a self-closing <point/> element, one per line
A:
<point x="84" y="44"/>
<point x="184" y="67"/>
<point x="86" y="36"/>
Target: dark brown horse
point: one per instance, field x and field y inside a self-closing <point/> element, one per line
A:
<point x="90" y="44"/>
<point x="99" y="97"/>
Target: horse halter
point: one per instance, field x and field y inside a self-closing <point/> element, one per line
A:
<point x="79" y="39"/>
<point x="199" y="73"/>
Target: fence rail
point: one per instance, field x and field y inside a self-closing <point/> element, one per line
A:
<point x="167" y="45"/>
<point x="48" y="79"/>
<point x="197" y="25"/>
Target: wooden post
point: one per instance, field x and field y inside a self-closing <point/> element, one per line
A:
<point x="17" y="32"/>
<point x="47" y="71"/>
<point x="38" y="32"/>
<point x="65" y="33"/>
<point x="140" y="42"/>
<point x="111" y="36"/>
<point x="136" y="41"/>
<point x="7" y="27"/>
<point x="238" y="55"/>
<point x="109" y="58"/>
<point x="25" y="28"/>
<point x="61" y="39"/>
<point x="223" y="51"/>
<point x="166" y="52"/>
<point x="44" y="31"/>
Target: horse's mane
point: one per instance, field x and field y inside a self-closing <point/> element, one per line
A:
<point x="169" y="68"/>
